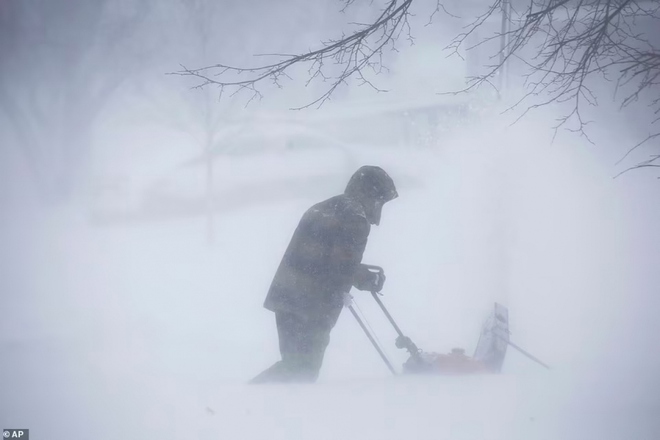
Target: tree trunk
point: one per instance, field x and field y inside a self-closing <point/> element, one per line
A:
<point x="70" y="178"/>
<point x="504" y="42"/>
<point x="210" y="231"/>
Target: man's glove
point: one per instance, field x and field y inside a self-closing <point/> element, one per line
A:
<point x="364" y="279"/>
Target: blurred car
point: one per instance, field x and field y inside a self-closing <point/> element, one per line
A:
<point x="250" y="163"/>
<point x="255" y="163"/>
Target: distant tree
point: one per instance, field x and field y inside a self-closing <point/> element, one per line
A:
<point x="197" y="113"/>
<point x="564" y="45"/>
<point x="61" y="63"/>
<point x="197" y="31"/>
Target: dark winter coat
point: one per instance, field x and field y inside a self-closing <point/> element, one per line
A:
<point x="318" y="265"/>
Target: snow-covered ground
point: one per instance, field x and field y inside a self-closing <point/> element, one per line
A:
<point x="144" y="332"/>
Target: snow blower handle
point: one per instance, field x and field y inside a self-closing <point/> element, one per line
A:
<point x="402" y="341"/>
<point x="372" y="340"/>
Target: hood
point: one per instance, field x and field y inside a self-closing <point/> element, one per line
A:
<point x="372" y="187"/>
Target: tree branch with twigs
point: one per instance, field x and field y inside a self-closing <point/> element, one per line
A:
<point x="353" y="55"/>
<point x="567" y="45"/>
<point x="564" y="46"/>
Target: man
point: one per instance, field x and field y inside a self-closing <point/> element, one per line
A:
<point x="319" y="267"/>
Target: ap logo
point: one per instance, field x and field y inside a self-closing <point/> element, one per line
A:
<point x="22" y="434"/>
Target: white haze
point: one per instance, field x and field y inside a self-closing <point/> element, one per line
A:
<point x="143" y="330"/>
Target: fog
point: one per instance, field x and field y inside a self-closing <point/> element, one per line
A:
<point x="132" y="300"/>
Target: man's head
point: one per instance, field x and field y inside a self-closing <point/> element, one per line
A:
<point x="372" y="187"/>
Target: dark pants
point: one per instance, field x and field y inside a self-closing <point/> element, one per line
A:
<point x="303" y="341"/>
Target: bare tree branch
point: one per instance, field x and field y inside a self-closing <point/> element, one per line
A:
<point x="440" y="7"/>
<point x="650" y="163"/>
<point x="566" y="44"/>
<point x="352" y="53"/>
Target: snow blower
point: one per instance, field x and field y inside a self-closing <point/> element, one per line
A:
<point x="488" y="356"/>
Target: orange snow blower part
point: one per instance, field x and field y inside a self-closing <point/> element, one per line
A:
<point x="488" y="356"/>
<point x="455" y="362"/>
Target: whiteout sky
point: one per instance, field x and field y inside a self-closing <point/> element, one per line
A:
<point x="144" y="330"/>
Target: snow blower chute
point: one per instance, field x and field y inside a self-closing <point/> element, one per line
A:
<point x="488" y="356"/>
